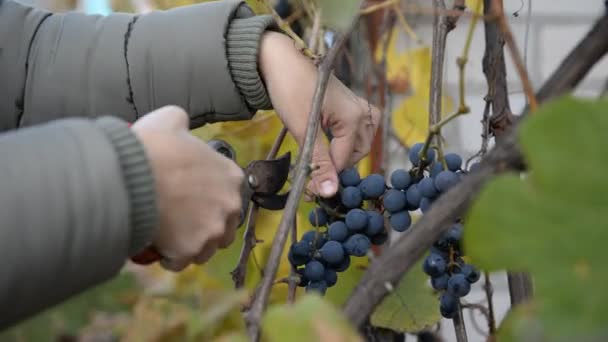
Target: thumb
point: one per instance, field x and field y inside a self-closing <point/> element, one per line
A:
<point x="170" y="118"/>
<point x="324" y="174"/>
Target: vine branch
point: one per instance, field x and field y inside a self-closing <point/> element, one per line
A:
<point x="285" y="27"/>
<point x="390" y="267"/>
<point x="253" y="317"/>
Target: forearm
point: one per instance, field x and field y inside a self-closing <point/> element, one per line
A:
<point x="202" y="58"/>
<point x="68" y="220"/>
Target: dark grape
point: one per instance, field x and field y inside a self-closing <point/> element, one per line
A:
<point x="470" y="273"/>
<point x="356" y="220"/>
<point x="454" y="234"/>
<point x="445" y="180"/>
<point x="415" y="154"/>
<point x="319" y="287"/>
<point x="400" y="221"/>
<point x="318" y="217"/>
<point x="332" y="252"/>
<point x="343" y="266"/>
<point x="283" y="8"/>
<point x="448" y="305"/>
<point x="427" y="188"/>
<point x="338" y="231"/>
<point x="357" y="245"/>
<point x="351" y="197"/>
<point x="441" y="282"/>
<point x="297" y="260"/>
<point x="314" y="271"/>
<point x="425" y="204"/>
<point x="301" y="248"/>
<point x="413" y="196"/>
<point x="373" y="186"/>
<point x="375" y="223"/>
<point x="400" y="179"/>
<point x="434" y="265"/>
<point x="394" y="200"/>
<point x="350" y="177"/>
<point x="474" y="167"/>
<point x="330" y="277"/>
<point x="458" y="285"/>
<point x="453" y="161"/>
<point x="303" y="280"/>
<point x="436" y="168"/>
<point x="379" y="239"/>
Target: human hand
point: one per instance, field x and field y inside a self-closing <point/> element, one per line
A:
<point x="198" y="190"/>
<point x="290" y="79"/>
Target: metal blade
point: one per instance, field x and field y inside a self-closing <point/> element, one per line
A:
<point x="267" y="177"/>
<point x="272" y="202"/>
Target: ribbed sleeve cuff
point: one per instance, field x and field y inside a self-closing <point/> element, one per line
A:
<point x="138" y="179"/>
<point x="243" y="45"/>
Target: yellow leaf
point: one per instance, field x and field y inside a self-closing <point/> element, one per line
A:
<point x="476" y="6"/>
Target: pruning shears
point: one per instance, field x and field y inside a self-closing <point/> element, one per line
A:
<point x="263" y="181"/>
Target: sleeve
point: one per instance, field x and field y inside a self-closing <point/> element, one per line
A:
<point x="77" y="199"/>
<point x="202" y="58"/>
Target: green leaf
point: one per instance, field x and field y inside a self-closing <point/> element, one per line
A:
<point x="338" y="14"/>
<point x="309" y="319"/>
<point x="411" y="307"/>
<point x="69" y="317"/>
<point x="554" y="223"/>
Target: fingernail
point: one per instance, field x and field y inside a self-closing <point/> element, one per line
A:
<point x="328" y="188"/>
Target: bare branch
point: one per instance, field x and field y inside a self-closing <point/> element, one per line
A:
<point x="489" y="290"/>
<point x="396" y="261"/>
<point x="452" y="19"/>
<point x="253" y="317"/>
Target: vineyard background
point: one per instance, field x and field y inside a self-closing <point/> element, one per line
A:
<point x="546" y="35"/>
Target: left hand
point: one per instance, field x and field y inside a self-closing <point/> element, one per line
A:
<point x="291" y="79"/>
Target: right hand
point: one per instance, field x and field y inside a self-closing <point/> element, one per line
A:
<point x="197" y="190"/>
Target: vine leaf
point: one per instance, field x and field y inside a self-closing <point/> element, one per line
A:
<point x="554" y="223"/>
<point x="310" y="319"/>
<point x="411" y="307"/>
<point x="338" y="14"/>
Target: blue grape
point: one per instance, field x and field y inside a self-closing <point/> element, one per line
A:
<point x="434" y="265"/>
<point x="454" y="234"/>
<point x="350" y="177"/>
<point x="356" y="220"/>
<point x="303" y="280"/>
<point x="474" y="167"/>
<point x="470" y="273"/>
<point x="413" y="197"/>
<point x="312" y="236"/>
<point x="453" y="161"/>
<point x="318" y="217"/>
<point x="443" y="254"/>
<point x="301" y="248"/>
<point x="394" y="200"/>
<point x="375" y="223"/>
<point x="319" y="287"/>
<point x="338" y="231"/>
<point x="314" y="270"/>
<point x="343" y="266"/>
<point x="427" y="188"/>
<point x="400" y="221"/>
<point x="357" y="245"/>
<point x="400" y="179"/>
<point x="445" y="180"/>
<point x="448" y="305"/>
<point x="436" y="168"/>
<point x="330" y="277"/>
<point x="379" y="239"/>
<point x="332" y="252"/>
<point x="373" y="186"/>
<point x="351" y="197"/>
<point x="458" y="285"/>
<point x="425" y="204"/>
<point x="297" y="260"/>
<point x="441" y="282"/>
<point x="415" y="154"/>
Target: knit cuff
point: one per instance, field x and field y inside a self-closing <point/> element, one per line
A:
<point x="138" y="179"/>
<point x="243" y="47"/>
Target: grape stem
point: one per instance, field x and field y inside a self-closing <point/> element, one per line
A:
<point x="254" y="315"/>
<point x="394" y="263"/>
<point x="489" y="290"/>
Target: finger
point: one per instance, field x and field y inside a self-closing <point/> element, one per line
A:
<point x="324" y="174"/>
<point x="175" y="265"/>
<point x="168" y="117"/>
<point x="206" y="254"/>
<point x="341" y="149"/>
<point x="230" y="234"/>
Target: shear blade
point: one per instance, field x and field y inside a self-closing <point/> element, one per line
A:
<point x="267" y="177"/>
<point x="272" y="202"/>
